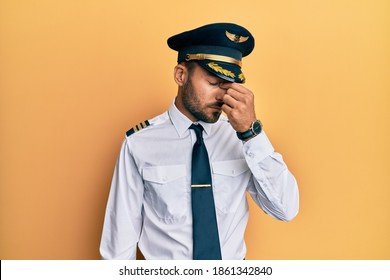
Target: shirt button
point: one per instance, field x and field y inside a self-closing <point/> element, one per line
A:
<point x="251" y="155"/>
<point x="165" y="178"/>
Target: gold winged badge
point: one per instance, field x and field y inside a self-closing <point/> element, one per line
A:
<point x="236" y="38"/>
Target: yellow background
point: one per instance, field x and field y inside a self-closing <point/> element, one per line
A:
<point x="76" y="75"/>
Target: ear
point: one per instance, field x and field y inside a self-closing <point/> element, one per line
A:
<point x="180" y="74"/>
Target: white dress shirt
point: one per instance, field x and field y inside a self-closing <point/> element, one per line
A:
<point x="150" y="196"/>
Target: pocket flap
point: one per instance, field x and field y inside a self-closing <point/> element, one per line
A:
<point x="230" y="167"/>
<point x="163" y="174"/>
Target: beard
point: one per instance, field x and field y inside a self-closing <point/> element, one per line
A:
<point x="193" y="105"/>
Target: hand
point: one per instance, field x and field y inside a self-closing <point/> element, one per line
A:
<point x="239" y="106"/>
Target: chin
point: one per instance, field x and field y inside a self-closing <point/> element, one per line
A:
<point x="213" y="118"/>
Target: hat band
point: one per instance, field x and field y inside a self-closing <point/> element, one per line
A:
<point x="221" y="58"/>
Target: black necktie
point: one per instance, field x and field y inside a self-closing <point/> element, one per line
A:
<point x="205" y="230"/>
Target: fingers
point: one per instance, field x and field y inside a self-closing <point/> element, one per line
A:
<point x="227" y="109"/>
<point x="235" y="94"/>
<point x="235" y="88"/>
<point x="230" y="101"/>
<point x="238" y="105"/>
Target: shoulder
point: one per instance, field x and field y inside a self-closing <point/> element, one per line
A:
<point x="147" y="125"/>
<point x="138" y="127"/>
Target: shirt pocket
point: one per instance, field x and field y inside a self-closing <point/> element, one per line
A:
<point x="230" y="181"/>
<point x="166" y="191"/>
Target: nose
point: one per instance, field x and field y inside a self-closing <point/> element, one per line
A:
<point x="221" y="91"/>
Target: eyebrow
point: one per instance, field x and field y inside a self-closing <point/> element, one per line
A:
<point x="208" y="74"/>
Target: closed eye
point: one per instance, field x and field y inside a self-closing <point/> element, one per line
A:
<point x="215" y="83"/>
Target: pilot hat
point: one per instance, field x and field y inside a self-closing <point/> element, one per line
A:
<point x="218" y="48"/>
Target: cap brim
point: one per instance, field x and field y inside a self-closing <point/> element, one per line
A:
<point x="226" y="71"/>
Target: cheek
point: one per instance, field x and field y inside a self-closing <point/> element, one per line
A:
<point x="201" y="92"/>
<point x="205" y="92"/>
<point x="209" y="91"/>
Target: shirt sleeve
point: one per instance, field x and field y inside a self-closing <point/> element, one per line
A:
<point x="273" y="188"/>
<point x="123" y="218"/>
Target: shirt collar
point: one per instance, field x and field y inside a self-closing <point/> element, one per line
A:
<point x="182" y="123"/>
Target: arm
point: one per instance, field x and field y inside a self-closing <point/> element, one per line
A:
<point x="123" y="219"/>
<point x="274" y="188"/>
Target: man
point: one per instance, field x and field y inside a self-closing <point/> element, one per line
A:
<point x="180" y="182"/>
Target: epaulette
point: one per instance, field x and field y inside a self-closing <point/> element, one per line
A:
<point x="138" y="127"/>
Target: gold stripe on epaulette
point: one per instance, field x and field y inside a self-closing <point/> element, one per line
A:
<point x="138" y="127"/>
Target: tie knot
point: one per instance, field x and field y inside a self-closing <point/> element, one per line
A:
<point x="198" y="130"/>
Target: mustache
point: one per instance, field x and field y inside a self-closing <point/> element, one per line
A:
<point x="217" y="104"/>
